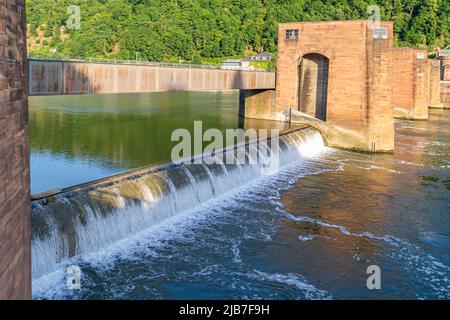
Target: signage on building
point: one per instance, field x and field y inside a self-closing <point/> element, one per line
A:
<point x="380" y="33"/>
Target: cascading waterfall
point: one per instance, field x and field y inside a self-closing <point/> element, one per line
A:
<point x="93" y="217"/>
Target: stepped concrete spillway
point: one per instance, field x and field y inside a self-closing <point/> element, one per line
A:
<point x="91" y="217"/>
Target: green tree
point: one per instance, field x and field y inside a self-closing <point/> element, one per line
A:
<point x="209" y="29"/>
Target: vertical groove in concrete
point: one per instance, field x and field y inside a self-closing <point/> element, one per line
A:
<point x="91" y="83"/>
<point x="157" y="80"/>
<point x="62" y="87"/>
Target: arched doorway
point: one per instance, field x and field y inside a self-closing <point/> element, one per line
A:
<point x="313" y="85"/>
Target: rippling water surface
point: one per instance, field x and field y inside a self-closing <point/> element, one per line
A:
<point x="80" y="138"/>
<point x="308" y="232"/>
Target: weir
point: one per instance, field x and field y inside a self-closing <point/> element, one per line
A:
<point x="90" y="217"/>
<point x="60" y="77"/>
<point x="93" y="216"/>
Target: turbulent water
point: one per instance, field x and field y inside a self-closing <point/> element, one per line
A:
<point x="87" y="220"/>
<point x="308" y="232"/>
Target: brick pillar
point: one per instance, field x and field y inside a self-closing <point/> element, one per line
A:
<point x="421" y="85"/>
<point x="257" y="104"/>
<point x="379" y="131"/>
<point x="445" y="94"/>
<point x="411" y="83"/>
<point x="435" y="89"/>
<point x="15" y="243"/>
<point x="445" y="68"/>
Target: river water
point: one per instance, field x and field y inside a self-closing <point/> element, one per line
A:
<point x="75" y="139"/>
<point x="308" y="232"/>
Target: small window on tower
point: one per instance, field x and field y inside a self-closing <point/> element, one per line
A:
<point x="292" y="34"/>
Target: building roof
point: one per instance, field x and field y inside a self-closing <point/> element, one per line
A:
<point x="263" y="54"/>
<point x="231" y="61"/>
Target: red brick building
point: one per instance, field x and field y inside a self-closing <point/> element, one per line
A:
<point x="339" y="72"/>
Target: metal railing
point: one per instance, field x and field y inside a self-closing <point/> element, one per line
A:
<point x="135" y="62"/>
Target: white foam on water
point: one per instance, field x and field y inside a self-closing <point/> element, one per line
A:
<point x="383" y="168"/>
<point x="103" y="237"/>
<point x="389" y="239"/>
<point x="430" y="271"/>
<point x="293" y="280"/>
<point x="236" y="252"/>
<point x="52" y="285"/>
<point x="312" y="147"/>
<point x="308" y="237"/>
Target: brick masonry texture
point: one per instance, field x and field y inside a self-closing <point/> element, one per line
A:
<point x="257" y="104"/>
<point x="359" y="93"/>
<point x="411" y="82"/>
<point x="435" y="89"/>
<point x="15" y="240"/>
<point x="445" y="67"/>
<point x="445" y="94"/>
<point x="445" y="77"/>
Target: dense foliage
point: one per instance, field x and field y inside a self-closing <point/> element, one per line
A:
<point x="192" y="30"/>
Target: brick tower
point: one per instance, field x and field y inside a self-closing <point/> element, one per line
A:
<point x="339" y="72"/>
<point x="15" y="243"/>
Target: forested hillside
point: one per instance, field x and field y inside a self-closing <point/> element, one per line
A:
<point x="194" y="30"/>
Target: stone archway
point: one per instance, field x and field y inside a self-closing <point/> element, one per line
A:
<point x="313" y="85"/>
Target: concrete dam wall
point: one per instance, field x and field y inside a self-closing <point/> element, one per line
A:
<point x="70" y="77"/>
